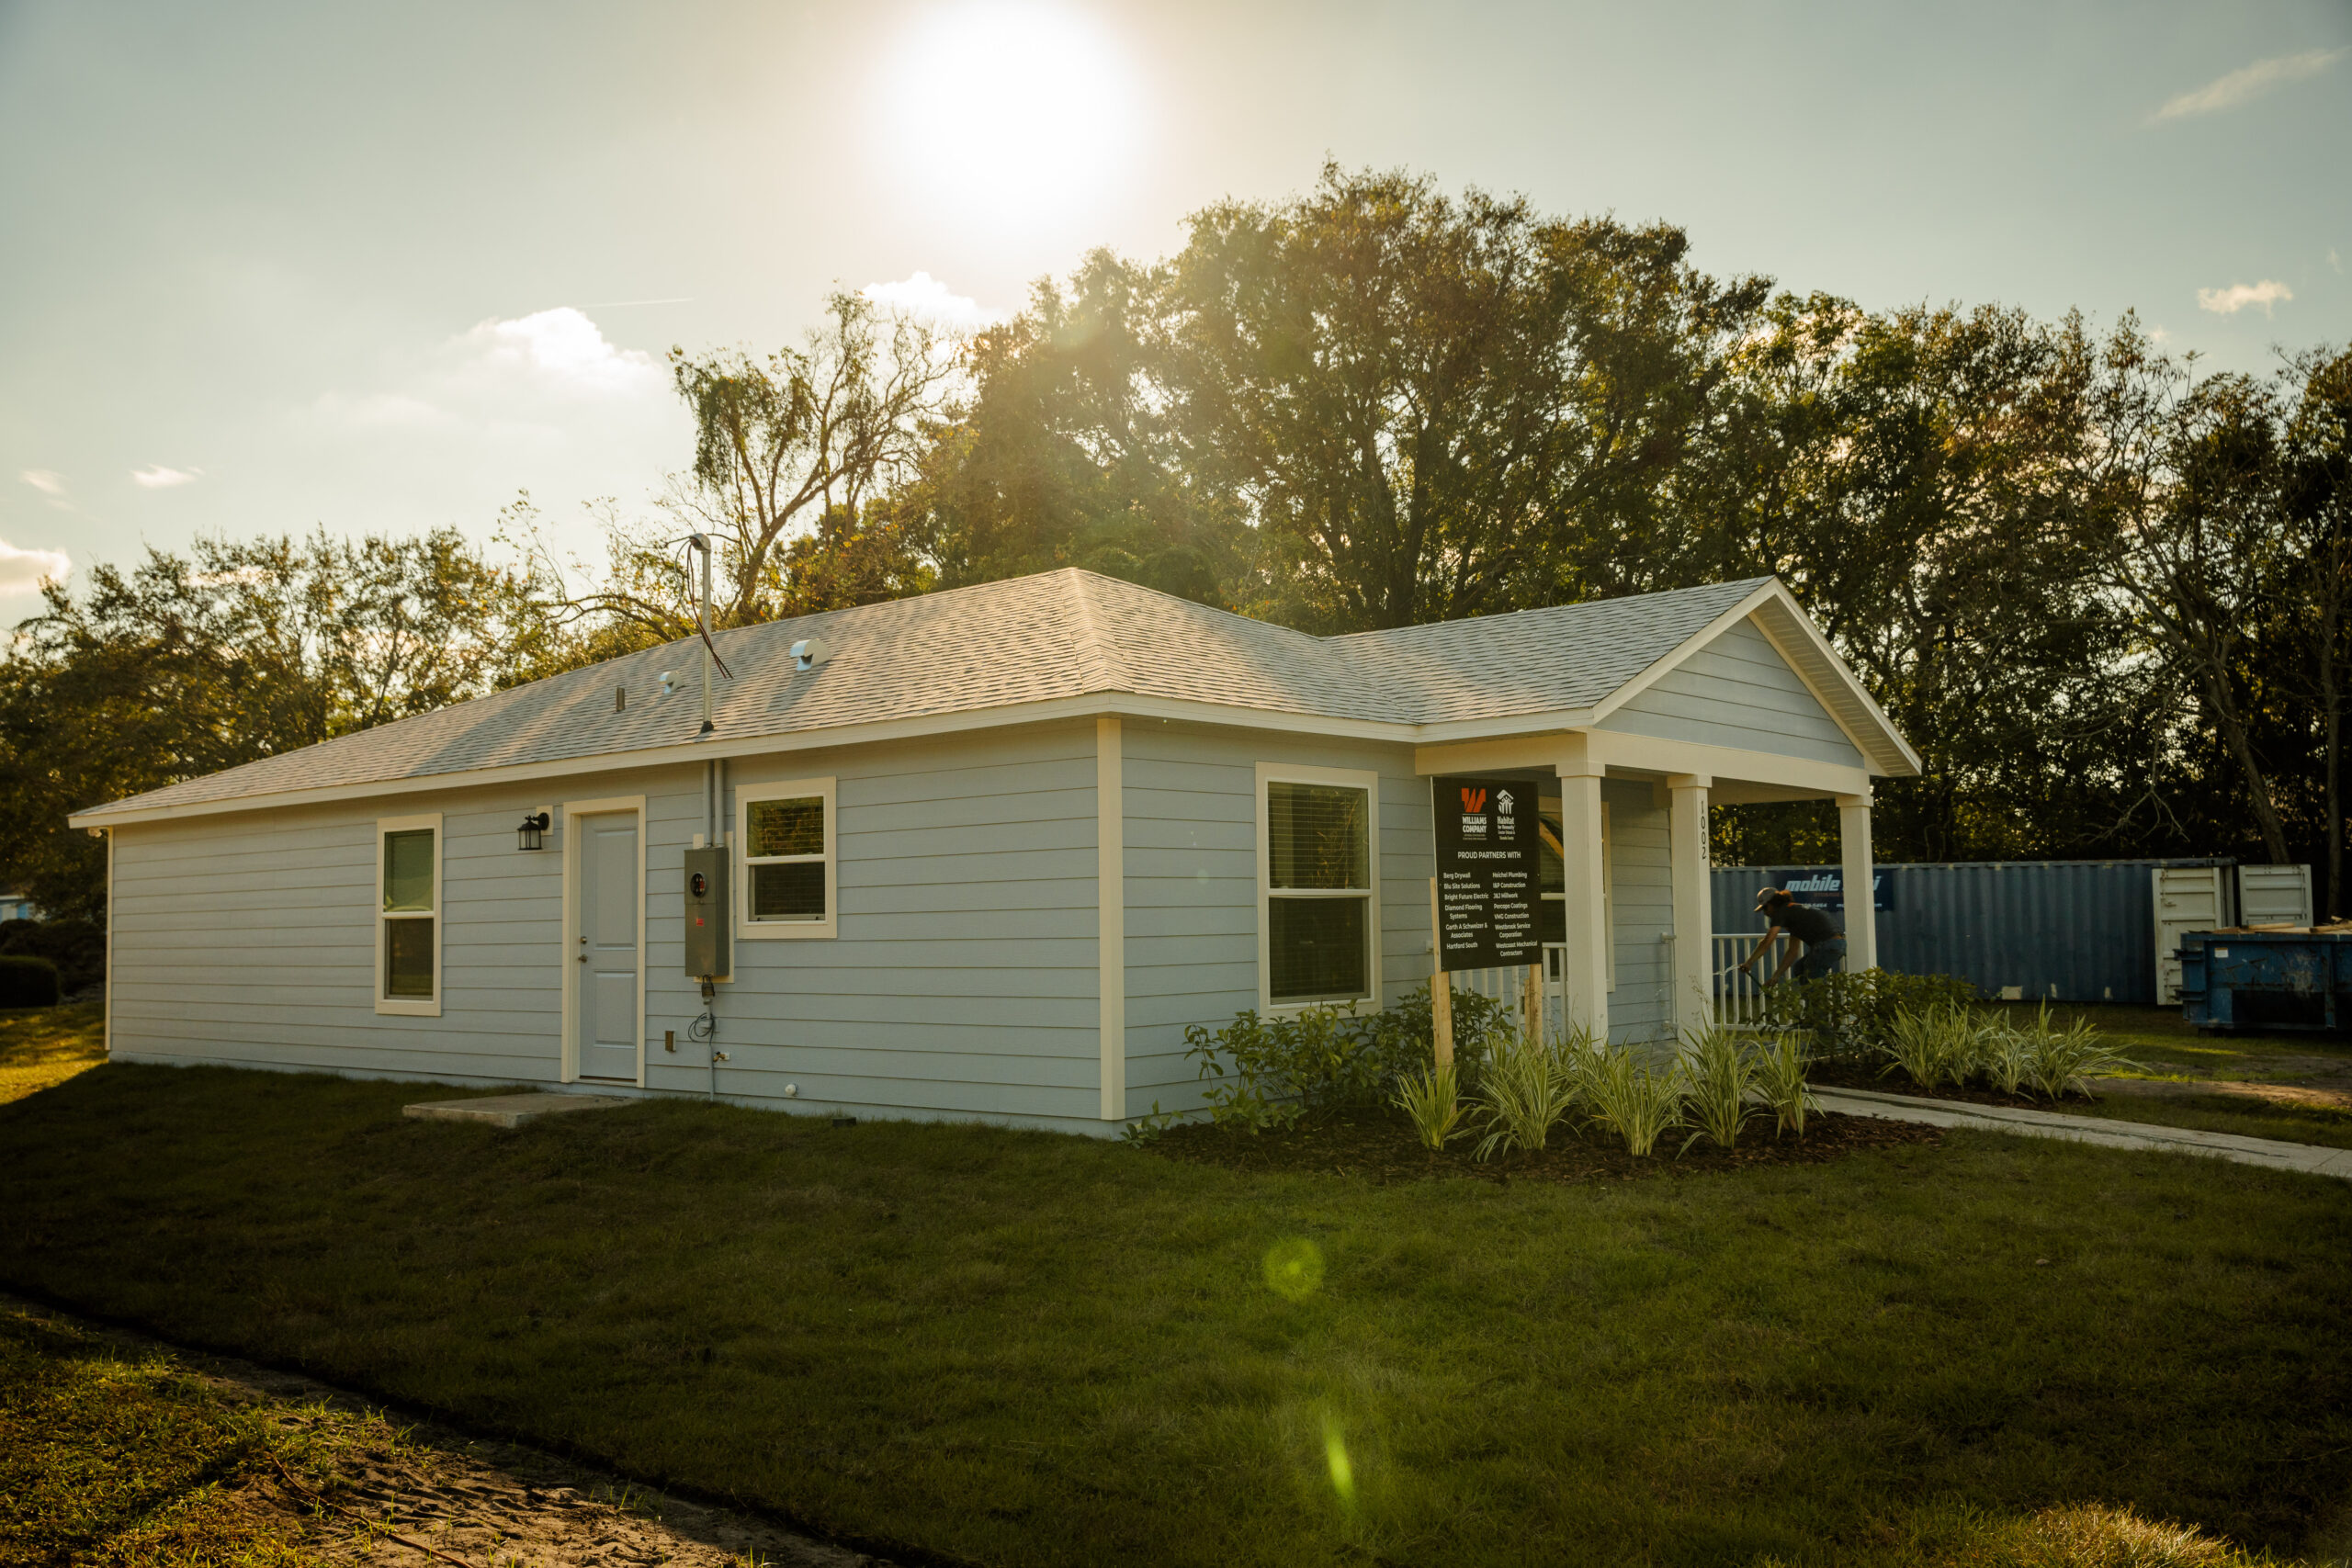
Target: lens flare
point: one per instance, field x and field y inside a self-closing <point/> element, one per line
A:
<point x="1293" y="1268"/>
<point x="1335" y="1454"/>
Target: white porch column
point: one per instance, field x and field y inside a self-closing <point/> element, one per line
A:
<point x="1861" y="882"/>
<point x="1694" y="929"/>
<point x="1584" y="966"/>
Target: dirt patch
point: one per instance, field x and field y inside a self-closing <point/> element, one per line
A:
<point x="377" y="1491"/>
<point x="2309" y="1096"/>
<point x="1381" y="1146"/>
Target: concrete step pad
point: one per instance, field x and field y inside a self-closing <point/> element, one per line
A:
<point x="511" y="1110"/>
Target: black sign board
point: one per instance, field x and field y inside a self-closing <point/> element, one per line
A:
<point x="1489" y="871"/>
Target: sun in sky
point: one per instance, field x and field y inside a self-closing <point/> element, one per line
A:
<point x="1018" y="110"/>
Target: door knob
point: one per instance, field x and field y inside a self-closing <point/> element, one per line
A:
<point x="583" y="958"/>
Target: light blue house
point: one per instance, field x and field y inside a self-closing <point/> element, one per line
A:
<point x="990" y="850"/>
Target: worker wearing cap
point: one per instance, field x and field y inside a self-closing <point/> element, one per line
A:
<point x="1824" y="943"/>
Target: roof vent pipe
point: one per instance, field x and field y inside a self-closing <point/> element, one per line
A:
<point x="809" y="652"/>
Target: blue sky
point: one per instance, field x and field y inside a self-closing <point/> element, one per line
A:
<point x="267" y="266"/>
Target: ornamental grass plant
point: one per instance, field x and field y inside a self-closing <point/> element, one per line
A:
<point x="1780" y="1068"/>
<point x="1719" y="1080"/>
<point x="1528" y="1084"/>
<point x="2062" y="1060"/>
<point x="1632" y="1099"/>
<point x="1432" y="1100"/>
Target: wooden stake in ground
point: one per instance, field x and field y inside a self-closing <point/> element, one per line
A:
<point x="1441" y="987"/>
<point x="1531" y="1003"/>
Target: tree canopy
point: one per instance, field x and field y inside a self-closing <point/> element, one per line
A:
<point x="2107" y="595"/>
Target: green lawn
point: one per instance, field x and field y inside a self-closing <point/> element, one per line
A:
<point x="42" y="1047"/>
<point x="2167" y="1049"/>
<point x="1030" y="1348"/>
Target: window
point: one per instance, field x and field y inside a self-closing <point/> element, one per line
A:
<point x="408" y="911"/>
<point x="1318" y="871"/>
<point x="786" y="832"/>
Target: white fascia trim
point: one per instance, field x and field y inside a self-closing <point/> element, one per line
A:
<point x="1684" y="649"/>
<point x="1848" y="683"/>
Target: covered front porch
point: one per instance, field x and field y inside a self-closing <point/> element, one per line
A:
<point x="1629" y="951"/>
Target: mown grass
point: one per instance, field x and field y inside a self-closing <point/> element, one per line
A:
<point x="2162" y="1042"/>
<point x="1023" y="1348"/>
<point x="114" y="1461"/>
<point x="42" y="1047"/>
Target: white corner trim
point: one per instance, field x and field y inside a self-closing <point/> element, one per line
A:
<point x="1350" y="778"/>
<point x="1110" y="902"/>
<point x="750" y="929"/>
<point x="409" y="1006"/>
<point x="609" y="806"/>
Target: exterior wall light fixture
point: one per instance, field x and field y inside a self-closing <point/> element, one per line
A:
<point x="529" y="835"/>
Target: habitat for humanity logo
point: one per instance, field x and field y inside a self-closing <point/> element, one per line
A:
<point x="1505" y="825"/>
<point x="1473" y="813"/>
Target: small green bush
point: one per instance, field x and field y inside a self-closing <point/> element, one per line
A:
<point x="1631" y="1099"/>
<point x="1269" y="1073"/>
<point x="1851" y="1015"/>
<point x="28" y="982"/>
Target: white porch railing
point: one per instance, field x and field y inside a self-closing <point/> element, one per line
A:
<point x="1509" y="987"/>
<point x="1739" y="996"/>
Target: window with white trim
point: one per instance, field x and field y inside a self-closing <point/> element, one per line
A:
<point x="408" y="915"/>
<point x="784" y="834"/>
<point x="1317" y="918"/>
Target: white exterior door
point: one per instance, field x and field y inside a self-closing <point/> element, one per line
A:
<point x="604" y="963"/>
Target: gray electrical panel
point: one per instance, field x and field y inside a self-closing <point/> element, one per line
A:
<point x="707" y="955"/>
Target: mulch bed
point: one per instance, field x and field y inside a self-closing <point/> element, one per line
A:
<point x="1858" y="1074"/>
<point x="1379" y="1145"/>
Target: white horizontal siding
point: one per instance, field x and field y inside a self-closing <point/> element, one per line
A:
<point x="1737" y="692"/>
<point x="1190" y="868"/>
<point x="964" y="981"/>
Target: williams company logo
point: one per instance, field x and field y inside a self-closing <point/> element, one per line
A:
<point x="1473" y="813"/>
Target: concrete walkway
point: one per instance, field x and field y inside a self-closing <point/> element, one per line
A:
<point x="2307" y="1157"/>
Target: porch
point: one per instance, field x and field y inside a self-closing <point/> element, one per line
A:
<point x="1623" y="967"/>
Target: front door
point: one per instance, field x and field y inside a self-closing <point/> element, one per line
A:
<point x="604" y="962"/>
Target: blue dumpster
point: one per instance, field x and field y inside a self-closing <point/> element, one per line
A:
<point x="2266" y="980"/>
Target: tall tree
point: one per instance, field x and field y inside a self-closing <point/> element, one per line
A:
<point x="184" y="665"/>
<point x="1427" y="408"/>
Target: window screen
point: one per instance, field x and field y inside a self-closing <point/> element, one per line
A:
<point x="1319" y="902"/>
<point x="784" y="854"/>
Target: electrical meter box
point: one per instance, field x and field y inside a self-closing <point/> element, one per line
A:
<point x="707" y="955"/>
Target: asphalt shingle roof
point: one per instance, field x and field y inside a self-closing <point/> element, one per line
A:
<point x="1055" y="634"/>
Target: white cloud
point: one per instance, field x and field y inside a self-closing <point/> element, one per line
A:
<point x="926" y="298"/>
<point x="21" y="571"/>
<point x="532" y="375"/>
<point x="48" y="482"/>
<point x="2248" y="83"/>
<point x="557" y="351"/>
<point x="2238" y="295"/>
<point x="157" y="476"/>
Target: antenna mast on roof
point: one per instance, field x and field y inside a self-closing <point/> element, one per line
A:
<point x="702" y="625"/>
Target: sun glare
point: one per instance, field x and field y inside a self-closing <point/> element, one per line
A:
<point x="1017" y="108"/>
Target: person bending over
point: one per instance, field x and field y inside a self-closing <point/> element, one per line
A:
<point x="1824" y="943"/>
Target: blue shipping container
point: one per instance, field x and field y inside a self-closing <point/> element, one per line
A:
<point x="2064" y="931"/>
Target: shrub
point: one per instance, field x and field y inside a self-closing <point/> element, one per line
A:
<point x="1528" y="1084"/>
<point x="78" y="948"/>
<point x="1851" y="1015"/>
<point x="2005" y="1056"/>
<point x="1780" y="1082"/>
<point x="1932" y="1046"/>
<point x="28" y="982"/>
<point x="1270" y="1072"/>
<point x="1630" y="1099"/>
<point x="1719" y="1079"/>
<point x="1432" y="1099"/>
